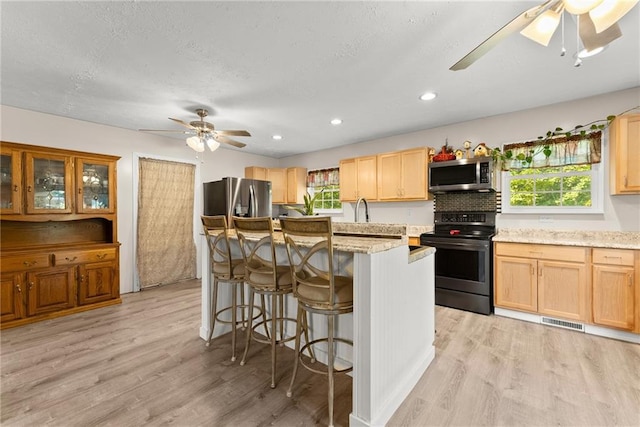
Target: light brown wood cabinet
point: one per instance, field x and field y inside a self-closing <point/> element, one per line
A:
<point x="359" y="178"/>
<point x="624" y="142"/>
<point x="296" y="185"/>
<point x="60" y="252"/>
<point x="256" y="172"/>
<point x="402" y="175"/>
<point x="278" y="178"/>
<point x="614" y="288"/>
<point x="532" y="278"/>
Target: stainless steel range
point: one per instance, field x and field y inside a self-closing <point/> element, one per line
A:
<point x="463" y="260"/>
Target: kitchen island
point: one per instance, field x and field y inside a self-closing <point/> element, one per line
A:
<point x="392" y="324"/>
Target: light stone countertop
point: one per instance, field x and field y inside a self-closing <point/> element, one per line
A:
<point x="354" y="244"/>
<point x="598" y="239"/>
<point x="373" y="228"/>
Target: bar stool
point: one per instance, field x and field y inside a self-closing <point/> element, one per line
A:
<point x="266" y="278"/>
<point x="318" y="290"/>
<point x="225" y="268"/>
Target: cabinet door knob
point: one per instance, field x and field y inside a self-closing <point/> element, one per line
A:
<point x="18" y="288"/>
<point x="29" y="188"/>
<point x="15" y="188"/>
<point x="29" y="263"/>
<point x="30" y="285"/>
<point x="101" y="256"/>
<point x="71" y="259"/>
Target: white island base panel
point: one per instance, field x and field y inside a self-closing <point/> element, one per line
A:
<point x="392" y="326"/>
<point x="394" y="330"/>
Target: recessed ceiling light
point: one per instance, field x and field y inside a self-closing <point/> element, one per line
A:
<point x="428" y="96"/>
<point x="336" y="122"/>
<point x="277" y="137"/>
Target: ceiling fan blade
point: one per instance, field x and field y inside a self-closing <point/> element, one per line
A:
<point x="183" y="123"/>
<point x="593" y="40"/>
<point x="516" y="24"/>
<point x="233" y="132"/>
<point x="163" y="130"/>
<point x="229" y="141"/>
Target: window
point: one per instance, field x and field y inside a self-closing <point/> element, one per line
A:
<point x="329" y="200"/>
<point x="556" y="183"/>
<point x="326" y="181"/>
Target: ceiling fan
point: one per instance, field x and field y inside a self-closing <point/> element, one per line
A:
<point x="205" y="133"/>
<point x="596" y="20"/>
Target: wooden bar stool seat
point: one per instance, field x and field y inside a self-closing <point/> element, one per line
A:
<point x="318" y="289"/>
<point x="226" y="269"/>
<point x="267" y="279"/>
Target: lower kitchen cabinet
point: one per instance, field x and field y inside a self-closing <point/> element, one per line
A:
<point x="51" y="290"/>
<point x="528" y="278"/>
<point x="47" y="283"/>
<point x="96" y="282"/>
<point x="12" y="299"/>
<point x="614" y="289"/>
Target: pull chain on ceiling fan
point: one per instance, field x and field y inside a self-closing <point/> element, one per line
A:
<point x="597" y="19"/>
<point x="204" y="133"/>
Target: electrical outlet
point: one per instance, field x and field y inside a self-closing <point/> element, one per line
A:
<point x="546" y="218"/>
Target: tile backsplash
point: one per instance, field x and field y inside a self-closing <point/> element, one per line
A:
<point x="467" y="202"/>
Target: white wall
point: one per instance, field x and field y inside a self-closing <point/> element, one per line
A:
<point x="34" y="128"/>
<point x="621" y="213"/>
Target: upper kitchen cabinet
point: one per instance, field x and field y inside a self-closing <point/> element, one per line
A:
<point x="96" y="185"/>
<point x="296" y="185"/>
<point x="48" y="183"/>
<point x="256" y="172"/>
<point x="11" y="181"/>
<point x="358" y="178"/>
<point x="624" y="141"/>
<point x="278" y="178"/>
<point x="402" y="175"/>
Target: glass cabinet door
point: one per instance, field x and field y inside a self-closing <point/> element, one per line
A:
<point x="48" y="183"/>
<point x="95" y="181"/>
<point x="10" y="181"/>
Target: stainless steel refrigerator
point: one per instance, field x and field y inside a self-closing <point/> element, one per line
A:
<point x="237" y="197"/>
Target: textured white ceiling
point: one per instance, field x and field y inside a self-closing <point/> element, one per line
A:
<point x="290" y="67"/>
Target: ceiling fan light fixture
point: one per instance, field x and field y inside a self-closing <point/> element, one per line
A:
<point x="585" y="53"/>
<point x="609" y="12"/>
<point x="542" y="28"/>
<point x="212" y="143"/>
<point x="195" y="143"/>
<point x="578" y="7"/>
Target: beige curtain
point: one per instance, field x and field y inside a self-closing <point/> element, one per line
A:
<point x="166" y="250"/>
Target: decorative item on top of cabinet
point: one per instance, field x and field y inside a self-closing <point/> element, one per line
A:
<point x="402" y="175"/>
<point x="624" y="140"/>
<point x="358" y="178"/>
<point x="614" y="291"/>
<point x="59" y="252"/>
<point x="543" y="279"/>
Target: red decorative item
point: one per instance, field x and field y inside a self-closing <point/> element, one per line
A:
<point x="444" y="155"/>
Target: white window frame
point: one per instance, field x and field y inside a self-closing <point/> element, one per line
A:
<point x="312" y="190"/>
<point x="597" y="196"/>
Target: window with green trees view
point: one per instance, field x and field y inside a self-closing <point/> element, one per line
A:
<point x="329" y="200"/>
<point x="561" y="189"/>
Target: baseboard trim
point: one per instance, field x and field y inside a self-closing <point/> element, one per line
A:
<point x="588" y="329"/>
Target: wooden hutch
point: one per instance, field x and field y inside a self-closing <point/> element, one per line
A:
<point x="58" y="235"/>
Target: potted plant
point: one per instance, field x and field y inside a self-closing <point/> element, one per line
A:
<point x="309" y="201"/>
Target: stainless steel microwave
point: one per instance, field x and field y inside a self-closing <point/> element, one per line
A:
<point x="474" y="174"/>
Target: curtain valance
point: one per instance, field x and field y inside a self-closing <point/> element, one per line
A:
<point x="323" y="177"/>
<point x="562" y="150"/>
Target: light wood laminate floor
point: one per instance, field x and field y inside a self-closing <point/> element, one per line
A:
<point x="142" y="363"/>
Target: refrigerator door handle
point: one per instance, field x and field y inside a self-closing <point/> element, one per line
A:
<point x="253" y="203"/>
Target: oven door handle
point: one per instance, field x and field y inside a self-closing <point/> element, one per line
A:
<point x="454" y="244"/>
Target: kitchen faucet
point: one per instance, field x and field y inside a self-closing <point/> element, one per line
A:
<point x="366" y="209"/>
